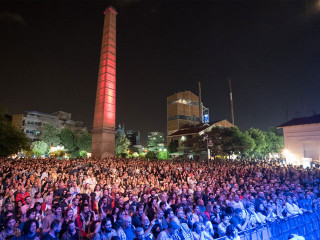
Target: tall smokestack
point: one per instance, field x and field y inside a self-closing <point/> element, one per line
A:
<point x="103" y="134"/>
<point x="231" y="101"/>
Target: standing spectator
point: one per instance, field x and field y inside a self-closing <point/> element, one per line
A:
<point x="55" y="228"/>
<point x="30" y="230"/>
<point x="105" y="231"/>
<point x="222" y="227"/>
<point x="10" y="230"/>
<point x="72" y="233"/>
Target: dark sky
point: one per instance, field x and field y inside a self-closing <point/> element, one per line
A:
<point x="49" y="57"/>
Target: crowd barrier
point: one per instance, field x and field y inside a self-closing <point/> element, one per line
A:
<point x="306" y="225"/>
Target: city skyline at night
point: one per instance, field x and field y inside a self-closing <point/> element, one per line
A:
<point x="50" y="59"/>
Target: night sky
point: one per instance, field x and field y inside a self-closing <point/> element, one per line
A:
<point x="49" y="57"/>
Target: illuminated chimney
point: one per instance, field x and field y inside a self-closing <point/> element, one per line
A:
<point x="103" y="134"/>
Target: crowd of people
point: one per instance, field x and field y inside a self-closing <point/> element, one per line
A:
<point x="138" y="199"/>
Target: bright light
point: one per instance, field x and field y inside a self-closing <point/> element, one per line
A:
<point x="57" y="148"/>
<point x="183" y="138"/>
<point x="291" y="158"/>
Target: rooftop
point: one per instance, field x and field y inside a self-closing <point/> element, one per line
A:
<point x="302" y="121"/>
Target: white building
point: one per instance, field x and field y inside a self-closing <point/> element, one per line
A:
<point x="302" y="140"/>
<point x="31" y="122"/>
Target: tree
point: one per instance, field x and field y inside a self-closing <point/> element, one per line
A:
<point x="68" y="139"/>
<point x="274" y="141"/>
<point x="151" y="155"/>
<point x="122" y="143"/>
<point x="50" y="135"/>
<point x="216" y="136"/>
<point x="12" y="139"/>
<point x="39" y="148"/>
<point x="163" y="154"/>
<point x="172" y="148"/>
<point x="84" y="142"/>
<point x="260" y="142"/>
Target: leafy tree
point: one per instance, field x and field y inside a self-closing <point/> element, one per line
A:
<point x="122" y="143"/>
<point x="218" y="141"/>
<point x="172" y="148"/>
<point x="274" y="141"/>
<point x="12" y="139"/>
<point x="260" y="142"/>
<point x="39" y="148"/>
<point x="68" y="139"/>
<point x="248" y="144"/>
<point x="151" y="155"/>
<point x="84" y="142"/>
<point x="83" y="154"/>
<point x="163" y="155"/>
<point x="50" y="135"/>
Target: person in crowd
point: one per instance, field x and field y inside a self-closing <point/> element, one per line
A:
<point x="139" y="234"/>
<point x="232" y="233"/>
<point x="146" y="191"/>
<point x="128" y="228"/>
<point x="53" y="233"/>
<point x="254" y="219"/>
<point x="31" y="214"/>
<point x="105" y="231"/>
<point x="291" y="208"/>
<point x="10" y="231"/>
<point x="238" y="221"/>
<point x="170" y="233"/>
<point x="30" y="230"/>
<point x="28" y="205"/>
<point x="84" y="219"/>
<point x="72" y="233"/>
<point x="55" y="215"/>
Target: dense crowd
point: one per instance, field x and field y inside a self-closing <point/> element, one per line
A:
<point x="130" y="199"/>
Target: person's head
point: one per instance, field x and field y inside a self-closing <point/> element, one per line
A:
<point x="106" y="225"/>
<point x="48" y="200"/>
<point x="289" y="199"/>
<point x="238" y="212"/>
<point x="37" y="207"/>
<point x="27" y="200"/>
<point x="127" y="222"/>
<point x="209" y="208"/>
<point x="184" y="201"/>
<point x="225" y="219"/>
<point x="55" y="226"/>
<point x="250" y="207"/>
<point x="173" y="227"/>
<point x="31" y="213"/>
<point x="163" y="206"/>
<point x="10" y="222"/>
<point x="30" y="226"/>
<point x="9" y="207"/>
<point x="231" y="231"/>
<point x="196" y="227"/>
<point x="216" y="209"/>
<point x="197" y="209"/>
<point x="75" y="202"/>
<point x="86" y="209"/>
<point x="168" y="214"/>
<point x="139" y="233"/>
<point x="69" y="213"/>
<point x="159" y="213"/>
<point x="140" y="208"/>
<point x="145" y="221"/>
<point x="56" y="209"/>
<point x="261" y="207"/>
<point x="37" y="195"/>
<point x="71" y="226"/>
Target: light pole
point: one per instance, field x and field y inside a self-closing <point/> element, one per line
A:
<point x="209" y="144"/>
